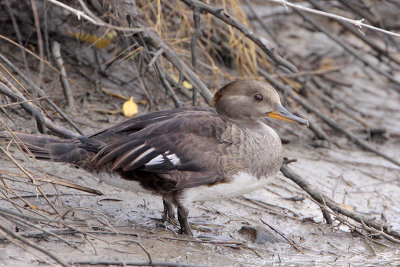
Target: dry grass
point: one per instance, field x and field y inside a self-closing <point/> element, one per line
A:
<point x="174" y="22"/>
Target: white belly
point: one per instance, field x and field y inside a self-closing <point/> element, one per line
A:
<point x="240" y="184"/>
<point x="116" y="181"/>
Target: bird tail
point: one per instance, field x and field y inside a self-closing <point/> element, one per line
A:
<point x="50" y="148"/>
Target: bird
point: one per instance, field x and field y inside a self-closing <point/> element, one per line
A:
<point x="185" y="154"/>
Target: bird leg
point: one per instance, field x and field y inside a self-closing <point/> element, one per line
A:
<point x="168" y="210"/>
<point x="182" y="218"/>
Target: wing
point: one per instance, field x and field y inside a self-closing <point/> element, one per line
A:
<point x="94" y="142"/>
<point x="180" y="149"/>
<point x="138" y="123"/>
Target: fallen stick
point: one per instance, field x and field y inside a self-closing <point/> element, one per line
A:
<point x="57" y="182"/>
<point x="324" y="200"/>
<point x="34" y="111"/>
<point x="33" y="245"/>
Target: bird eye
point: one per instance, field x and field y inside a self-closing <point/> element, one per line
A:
<point x="258" y="97"/>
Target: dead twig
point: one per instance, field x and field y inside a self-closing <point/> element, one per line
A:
<point x="326" y="201"/>
<point x="167" y="86"/>
<point x="196" y="35"/>
<point x="141" y="247"/>
<point x="215" y="242"/>
<point x="309" y="107"/>
<point x="44" y="234"/>
<point x="18" y="34"/>
<point x="33" y="245"/>
<point x="350" y="50"/>
<point x="161" y="74"/>
<point x="155" y="40"/>
<point x="357" y="23"/>
<point x="230" y="20"/>
<point x="339" y="106"/>
<point x="21" y="222"/>
<point x="155" y="57"/>
<point x="40" y="42"/>
<point x="129" y="263"/>
<point x="41" y="93"/>
<point x="91" y="18"/>
<point x="33" y="180"/>
<point x="56" y="51"/>
<point x="29" y="107"/>
<point x="362" y="11"/>
<point x="291" y="242"/>
<point x="57" y="182"/>
<point x="36" y="219"/>
<point x="359" y="34"/>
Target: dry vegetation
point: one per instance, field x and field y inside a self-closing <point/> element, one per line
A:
<point x="66" y="70"/>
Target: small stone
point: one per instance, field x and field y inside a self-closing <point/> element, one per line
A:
<point x="259" y="235"/>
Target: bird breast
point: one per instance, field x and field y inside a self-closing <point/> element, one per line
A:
<point x="255" y="149"/>
<point x="251" y="161"/>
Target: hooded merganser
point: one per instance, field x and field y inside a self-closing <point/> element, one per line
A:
<point x="186" y="154"/>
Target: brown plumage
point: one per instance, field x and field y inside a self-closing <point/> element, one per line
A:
<point x="186" y="154"/>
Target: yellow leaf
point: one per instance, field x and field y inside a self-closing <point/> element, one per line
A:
<point x="111" y="35"/>
<point x="176" y="78"/>
<point x="102" y="43"/>
<point x="185" y="83"/>
<point x="130" y="108"/>
<point x="349" y="208"/>
<point x="97" y="41"/>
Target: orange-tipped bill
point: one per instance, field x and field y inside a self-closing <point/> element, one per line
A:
<point x="282" y="114"/>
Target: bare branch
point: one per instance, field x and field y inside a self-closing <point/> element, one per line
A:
<point x="309" y="107"/>
<point x="349" y="49"/>
<point x="227" y="18"/>
<point x="326" y="201"/>
<point x="96" y="21"/>
<point x="196" y="35"/>
<point x="41" y="93"/>
<point x="36" y="113"/>
<point x="171" y="55"/>
<point x="358" y="23"/>
<point x="56" y="50"/>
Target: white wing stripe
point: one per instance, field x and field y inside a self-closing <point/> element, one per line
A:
<point x="174" y="159"/>
<point x="155" y="161"/>
<point x="160" y="159"/>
